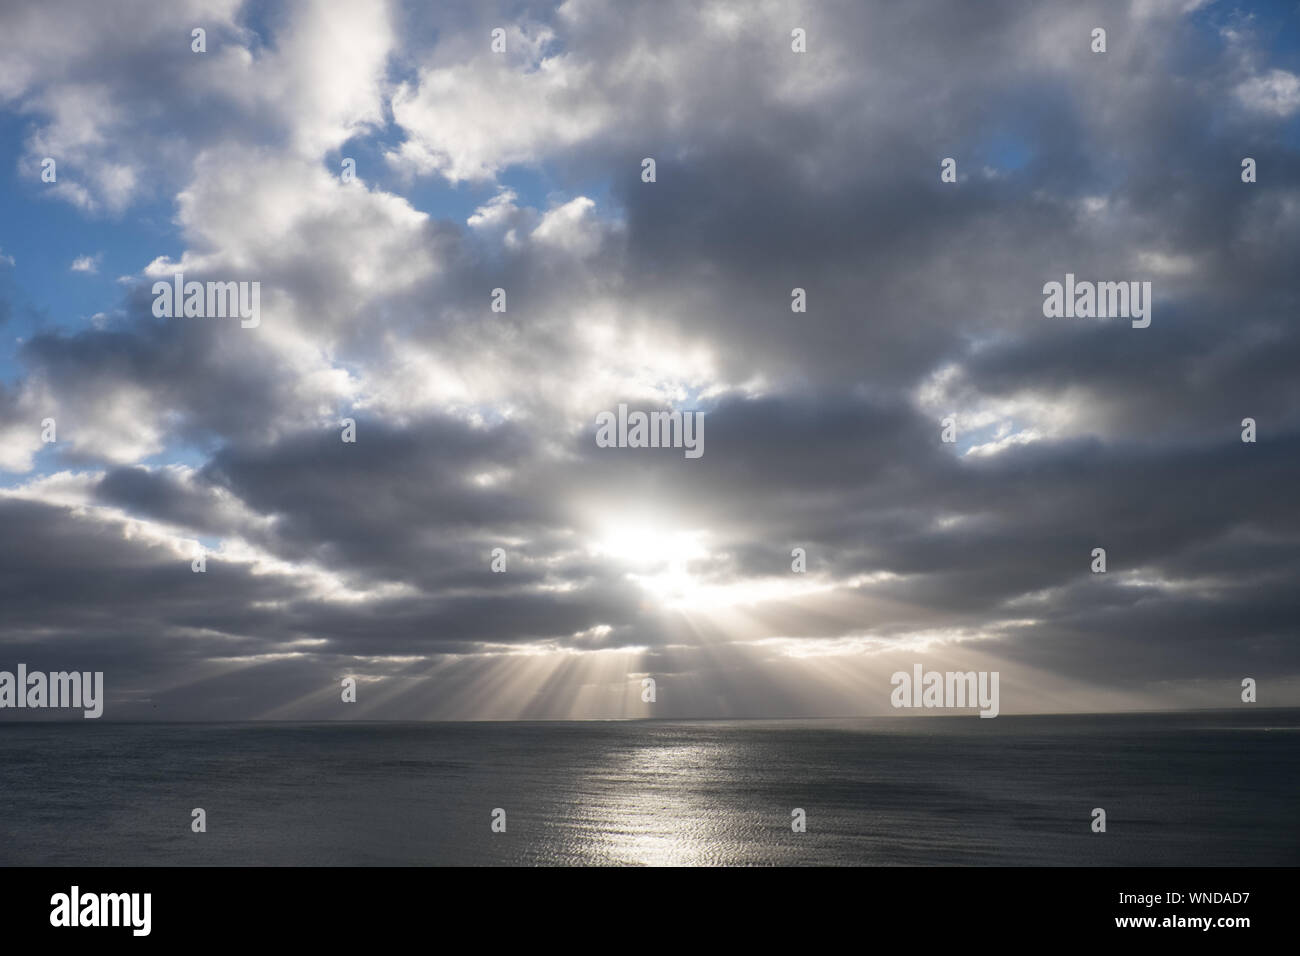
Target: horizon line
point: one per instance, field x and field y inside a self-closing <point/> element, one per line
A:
<point x="606" y="720"/>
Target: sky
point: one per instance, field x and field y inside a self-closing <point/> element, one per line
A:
<point x="476" y="429"/>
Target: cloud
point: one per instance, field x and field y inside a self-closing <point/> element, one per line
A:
<point x="471" y="122"/>
<point x="1276" y="92"/>
<point x="475" y="427"/>
<point x="320" y="83"/>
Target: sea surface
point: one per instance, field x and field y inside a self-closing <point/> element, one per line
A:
<point x="1207" y="788"/>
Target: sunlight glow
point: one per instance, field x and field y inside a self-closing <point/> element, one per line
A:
<point x="672" y="565"/>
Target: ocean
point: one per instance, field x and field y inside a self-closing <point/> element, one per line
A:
<point x="1189" y="789"/>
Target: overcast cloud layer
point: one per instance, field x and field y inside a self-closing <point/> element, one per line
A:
<point x="475" y="429"/>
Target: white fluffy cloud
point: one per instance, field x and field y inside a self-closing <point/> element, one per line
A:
<point x="469" y="122"/>
<point x="1276" y="92"/>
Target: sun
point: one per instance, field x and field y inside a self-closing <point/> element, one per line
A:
<point x="680" y="569"/>
<point x="672" y="565"/>
<point x="655" y="555"/>
<point x="643" y="544"/>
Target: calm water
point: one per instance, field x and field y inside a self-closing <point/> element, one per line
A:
<point x="1205" y="789"/>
